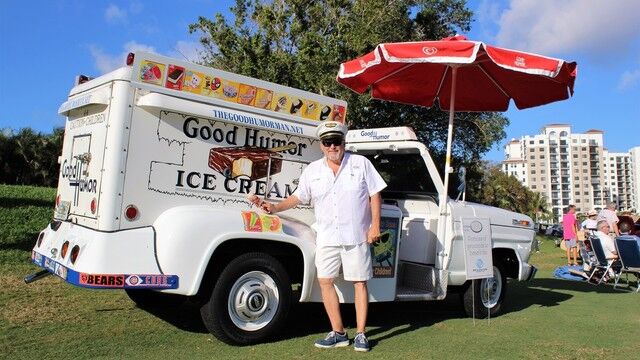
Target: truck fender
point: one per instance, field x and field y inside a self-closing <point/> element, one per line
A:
<point x="188" y="236"/>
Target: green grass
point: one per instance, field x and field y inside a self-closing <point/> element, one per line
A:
<point x="546" y="318"/>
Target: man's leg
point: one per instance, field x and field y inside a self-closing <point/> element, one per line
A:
<point x="331" y="303"/>
<point x="362" y="304"/>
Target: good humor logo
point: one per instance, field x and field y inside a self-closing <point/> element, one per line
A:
<point x="374" y="135"/>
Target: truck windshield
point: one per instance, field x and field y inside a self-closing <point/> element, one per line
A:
<point x="403" y="173"/>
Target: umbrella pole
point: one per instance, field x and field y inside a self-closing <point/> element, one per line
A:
<point x="442" y="219"/>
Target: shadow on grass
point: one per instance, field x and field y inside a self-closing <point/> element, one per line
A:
<point x="24" y="242"/>
<point x="12" y="202"/>
<point x="310" y="318"/>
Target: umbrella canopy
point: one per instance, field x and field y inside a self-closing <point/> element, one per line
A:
<point x="462" y="75"/>
<point x="418" y="73"/>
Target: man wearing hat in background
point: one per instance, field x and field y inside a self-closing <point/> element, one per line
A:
<point x="589" y="225"/>
<point x="345" y="191"/>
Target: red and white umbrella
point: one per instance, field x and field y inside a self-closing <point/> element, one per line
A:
<point x="462" y="75"/>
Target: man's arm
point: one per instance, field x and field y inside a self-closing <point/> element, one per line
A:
<point x="374" y="230"/>
<point x="286" y="204"/>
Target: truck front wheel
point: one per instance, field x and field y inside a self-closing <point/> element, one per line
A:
<point x="485" y="296"/>
<point x="250" y="301"/>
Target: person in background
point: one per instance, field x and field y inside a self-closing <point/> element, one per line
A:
<point x="609" y="214"/>
<point x="608" y="245"/>
<point x="626" y="232"/>
<point x="589" y="225"/>
<point x="569" y="231"/>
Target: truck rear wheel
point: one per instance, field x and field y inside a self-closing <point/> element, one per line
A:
<point x="486" y="295"/>
<point x="250" y="301"/>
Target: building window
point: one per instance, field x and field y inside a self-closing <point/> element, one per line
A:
<point x="575" y="156"/>
<point x="541" y="156"/>
<point x="576" y="178"/>
<point x="544" y="186"/>
<point x="541" y="142"/>
<point x="533" y="186"/>
<point x="533" y="164"/>
<point x="532" y="157"/>
<point x="543" y="179"/>
<point x="531" y="142"/>
<point x="574" y="141"/>
<point x="563" y="133"/>
<point x="577" y="186"/>
<point x="577" y="201"/>
<point x="543" y="171"/>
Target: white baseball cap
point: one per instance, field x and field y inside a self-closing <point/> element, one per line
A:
<point x="331" y="129"/>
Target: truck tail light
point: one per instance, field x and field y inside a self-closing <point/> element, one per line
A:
<point x="131" y="212"/>
<point x="40" y="237"/>
<point x="94" y="205"/>
<point x="57" y="200"/>
<point x="65" y="248"/>
<point x="130" y="58"/>
<point x="74" y="254"/>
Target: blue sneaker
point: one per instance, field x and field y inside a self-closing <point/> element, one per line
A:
<point x="333" y="339"/>
<point x="360" y="342"/>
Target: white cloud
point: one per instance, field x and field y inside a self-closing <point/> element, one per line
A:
<point x="114" y="15"/>
<point x="107" y="62"/>
<point x="186" y="50"/>
<point x="594" y="27"/>
<point x="629" y="80"/>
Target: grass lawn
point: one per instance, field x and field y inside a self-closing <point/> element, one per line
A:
<point x="546" y="318"/>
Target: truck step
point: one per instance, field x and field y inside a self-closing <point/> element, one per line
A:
<point x="404" y="293"/>
<point x="417" y="276"/>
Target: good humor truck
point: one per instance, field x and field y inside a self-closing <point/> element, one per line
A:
<point x="158" y="161"/>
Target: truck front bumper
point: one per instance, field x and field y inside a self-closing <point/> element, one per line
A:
<point x="528" y="272"/>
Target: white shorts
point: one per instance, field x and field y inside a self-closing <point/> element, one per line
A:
<point x="355" y="261"/>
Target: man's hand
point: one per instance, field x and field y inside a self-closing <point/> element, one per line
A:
<point x="373" y="234"/>
<point x="267" y="207"/>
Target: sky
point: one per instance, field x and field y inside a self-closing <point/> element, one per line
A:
<point x="44" y="44"/>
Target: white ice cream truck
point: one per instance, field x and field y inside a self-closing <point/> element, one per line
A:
<point x="159" y="158"/>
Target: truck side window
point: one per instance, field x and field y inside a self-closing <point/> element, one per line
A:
<point x="394" y="169"/>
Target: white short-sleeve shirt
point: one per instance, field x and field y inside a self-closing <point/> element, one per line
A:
<point x="341" y="201"/>
<point x="610" y="216"/>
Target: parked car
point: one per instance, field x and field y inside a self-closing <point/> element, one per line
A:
<point x="554" y="230"/>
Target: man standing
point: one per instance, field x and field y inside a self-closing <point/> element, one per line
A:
<point x="609" y="214"/>
<point x="344" y="189"/>
<point x="569" y="231"/>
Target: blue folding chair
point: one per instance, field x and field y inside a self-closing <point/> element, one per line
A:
<point x="602" y="262"/>
<point x="629" y="253"/>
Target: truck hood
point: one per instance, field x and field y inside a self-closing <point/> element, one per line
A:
<point x="498" y="216"/>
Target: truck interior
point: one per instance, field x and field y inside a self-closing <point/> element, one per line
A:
<point x="416" y="196"/>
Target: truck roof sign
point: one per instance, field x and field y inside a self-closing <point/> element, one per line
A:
<point x="402" y="133"/>
<point x="174" y="76"/>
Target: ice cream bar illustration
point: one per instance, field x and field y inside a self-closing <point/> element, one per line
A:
<point x="252" y="162"/>
<point x="324" y="114"/>
<point x="295" y="106"/>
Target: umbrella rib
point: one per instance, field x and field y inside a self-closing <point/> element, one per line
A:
<point x="392" y="73"/>
<point x="444" y="75"/>
<point x="494" y="81"/>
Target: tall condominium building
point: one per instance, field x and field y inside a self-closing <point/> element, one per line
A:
<point x="571" y="168"/>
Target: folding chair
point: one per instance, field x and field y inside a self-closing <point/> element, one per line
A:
<point x="602" y="263"/>
<point x="589" y="259"/>
<point x="629" y="253"/>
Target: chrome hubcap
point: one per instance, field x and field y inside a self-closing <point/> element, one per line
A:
<point x="253" y="301"/>
<point x="491" y="288"/>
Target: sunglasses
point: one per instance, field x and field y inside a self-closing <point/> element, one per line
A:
<point x="332" y="141"/>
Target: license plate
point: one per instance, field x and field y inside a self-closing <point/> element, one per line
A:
<point x="62" y="210"/>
